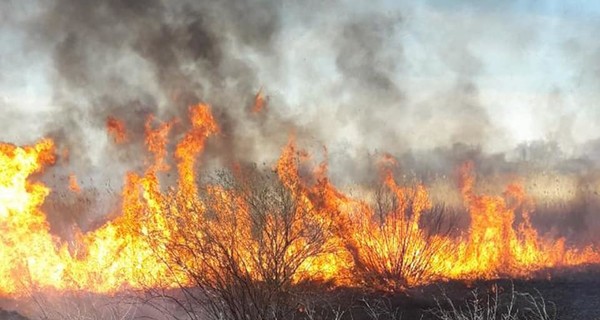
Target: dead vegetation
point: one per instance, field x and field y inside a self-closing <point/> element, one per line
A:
<point x="496" y="305"/>
<point x="242" y="246"/>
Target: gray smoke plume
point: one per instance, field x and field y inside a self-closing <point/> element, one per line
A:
<point x="433" y="85"/>
<point x="129" y="59"/>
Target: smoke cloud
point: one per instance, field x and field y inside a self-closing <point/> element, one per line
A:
<point x="433" y="84"/>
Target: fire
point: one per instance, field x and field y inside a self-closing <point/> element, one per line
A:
<point x="73" y="184"/>
<point x="494" y="247"/>
<point x="23" y="225"/>
<point x="259" y="102"/>
<point x="163" y="233"/>
<point x="116" y="129"/>
<point x="192" y="144"/>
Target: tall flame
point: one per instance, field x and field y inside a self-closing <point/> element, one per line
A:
<point x="382" y="240"/>
<point x="116" y="128"/>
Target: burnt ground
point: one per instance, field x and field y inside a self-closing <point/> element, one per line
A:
<point x="574" y="294"/>
<point x="573" y="299"/>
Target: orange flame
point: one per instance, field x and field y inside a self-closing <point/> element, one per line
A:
<point x="116" y="129"/>
<point x="192" y="144"/>
<point x="73" y="184"/>
<point x="259" y="102"/>
<point x="493" y="247"/>
<point x="382" y="239"/>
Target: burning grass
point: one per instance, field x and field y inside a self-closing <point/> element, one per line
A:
<point x="242" y="244"/>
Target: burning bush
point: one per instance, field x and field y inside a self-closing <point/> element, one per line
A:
<point x="241" y="245"/>
<point x="390" y="246"/>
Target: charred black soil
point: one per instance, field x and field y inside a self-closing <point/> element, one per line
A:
<point x="567" y="295"/>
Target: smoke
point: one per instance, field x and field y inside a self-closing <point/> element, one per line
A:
<point x="128" y="60"/>
<point x="432" y="84"/>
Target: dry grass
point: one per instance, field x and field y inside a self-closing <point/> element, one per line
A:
<point x="511" y="305"/>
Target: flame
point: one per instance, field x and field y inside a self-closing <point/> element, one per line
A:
<point x="73" y="184"/>
<point x="383" y="239"/>
<point x="494" y="247"/>
<point x="192" y="144"/>
<point x="116" y="129"/>
<point x="259" y="102"/>
<point x="23" y="225"/>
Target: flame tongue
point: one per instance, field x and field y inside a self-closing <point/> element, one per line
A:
<point x="381" y="241"/>
<point x="116" y="129"/>
<point x="192" y="144"/>
<point x="110" y="258"/>
<point x="27" y="250"/>
<point x="494" y="247"/>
